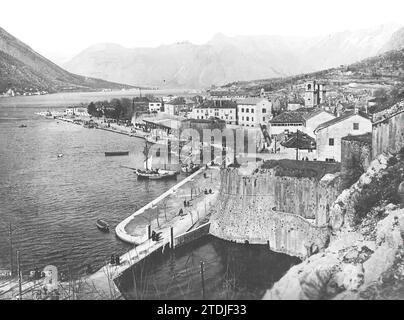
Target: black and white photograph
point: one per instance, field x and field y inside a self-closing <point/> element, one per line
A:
<point x="204" y="155"/>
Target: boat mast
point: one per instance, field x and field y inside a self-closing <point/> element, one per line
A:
<point x="146" y="153"/>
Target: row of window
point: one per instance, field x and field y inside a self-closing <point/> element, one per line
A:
<point x="247" y="110"/>
<point x="210" y="110"/>
<point x="286" y="124"/>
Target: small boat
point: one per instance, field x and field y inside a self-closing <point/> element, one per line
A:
<point x="23" y="126"/>
<point x="156" y="174"/>
<point x="102" y="225"/>
<point x="60" y="155"/>
<point x="116" y="153"/>
<point x="190" y="168"/>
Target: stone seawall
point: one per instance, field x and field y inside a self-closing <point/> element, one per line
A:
<point x="246" y="212"/>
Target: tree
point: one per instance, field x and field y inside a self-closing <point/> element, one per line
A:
<point x="92" y="109"/>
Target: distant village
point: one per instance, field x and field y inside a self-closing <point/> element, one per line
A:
<point x="23" y="92"/>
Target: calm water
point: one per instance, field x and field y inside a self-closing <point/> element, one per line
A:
<point x="231" y="271"/>
<point x="53" y="204"/>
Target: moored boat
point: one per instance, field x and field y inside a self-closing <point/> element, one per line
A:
<point x="116" y="153"/>
<point x="102" y="225"/>
<point x="156" y="174"/>
<point x="190" y="168"/>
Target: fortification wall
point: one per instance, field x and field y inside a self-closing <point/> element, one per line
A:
<point x="306" y="197"/>
<point x="290" y="213"/>
<point x="388" y="133"/>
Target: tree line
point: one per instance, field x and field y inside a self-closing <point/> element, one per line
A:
<point x="119" y="109"/>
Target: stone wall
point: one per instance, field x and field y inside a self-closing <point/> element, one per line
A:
<point x="388" y="133"/>
<point x="289" y="213"/>
<point x="306" y="197"/>
<point x="356" y="155"/>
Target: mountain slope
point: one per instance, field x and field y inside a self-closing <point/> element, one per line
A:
<point x="225" y="59"/>
<point x="22" y="68"/>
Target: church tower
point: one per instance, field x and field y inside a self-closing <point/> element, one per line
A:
<point x="310" y="95"/>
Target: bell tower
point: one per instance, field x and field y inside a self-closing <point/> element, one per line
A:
<point x="310" y="95"/>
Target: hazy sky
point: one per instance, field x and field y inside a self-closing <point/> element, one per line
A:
<point x="59" y="29"/>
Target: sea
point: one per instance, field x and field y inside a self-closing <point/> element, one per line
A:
<point x="52" y="204"/>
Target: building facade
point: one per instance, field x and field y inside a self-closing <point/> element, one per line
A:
<point x="253" y="112"/>
<point x="330" y="133"/>
<point x="220" y="109"/>
<point x="155" y="106"/>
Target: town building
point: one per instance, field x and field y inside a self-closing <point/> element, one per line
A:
<point x="73" y="111"/>
<point x="222" y="109"/>
<point x="175" y="106"/>
<point x="253" y="112"/>
<point x="155" y="107"/>
<point x="315" y="94"/>
<point x="303" y="119"/>
<point x="330" y="133"/>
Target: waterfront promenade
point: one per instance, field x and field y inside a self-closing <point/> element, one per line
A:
<point x="101" y="285"/>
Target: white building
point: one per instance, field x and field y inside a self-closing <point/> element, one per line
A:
<point x="155" y="107"/>
<point x="224" y="110"/>
<point x="82" y="112"/>
<point x="251" y="112"/>
<point x="305" y="120"/>
<point x="330" y="133"/>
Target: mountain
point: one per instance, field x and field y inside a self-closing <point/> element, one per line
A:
<point x="225" y="59"/>
<point x="396" y="41"/>
<point x="21" y="68"/>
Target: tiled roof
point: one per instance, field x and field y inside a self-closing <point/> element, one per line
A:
<point x="302" y="141"/>
<point x="210" y="104"/>
<point x="339" y="119"/>
<point x="250" y="101"/>
<point x="288" y="117"/>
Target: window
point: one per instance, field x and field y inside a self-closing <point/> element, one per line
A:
<point x="247" y="110"/>
<point x="264" y="110"/>
<point x="263" y="118"/>
<point x="242" y="118"/>
<point x="331" y="141"/>
<point x="242" y="109"/>
<point x="252" y="118"/>
<point x="252" y="110"/>
<point x="356" y="126"/>
<point x="248" y="118"/>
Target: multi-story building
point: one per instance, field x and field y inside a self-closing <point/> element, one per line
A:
<point x="330" y="133"/>
<point x="221" y="109"/>
<point x="303" y="119"/>
<point x="155" y="106"/>
<point x="252" y="112"/>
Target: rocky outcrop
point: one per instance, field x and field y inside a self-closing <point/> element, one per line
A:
<point x="364" y="258"/>
<point x="351" y="266"/>
<point x="343" y="209"/>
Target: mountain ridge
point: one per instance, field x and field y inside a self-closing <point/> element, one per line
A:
<point x="224" y="59"/>
<point x="22" y="68"/>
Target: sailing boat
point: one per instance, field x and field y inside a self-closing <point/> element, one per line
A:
<point x="153" y="174"/>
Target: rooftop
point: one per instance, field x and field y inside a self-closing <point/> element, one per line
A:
<point x="210" y="104"/>
<point x="250" y="101"/>
<point x="288" y="117"/>
<point x="339" y="119"/>
<point x="299" y="140"/>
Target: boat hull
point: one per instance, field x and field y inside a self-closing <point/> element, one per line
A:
<point x="156" y="176"/>
<point x="116" y="153"/>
